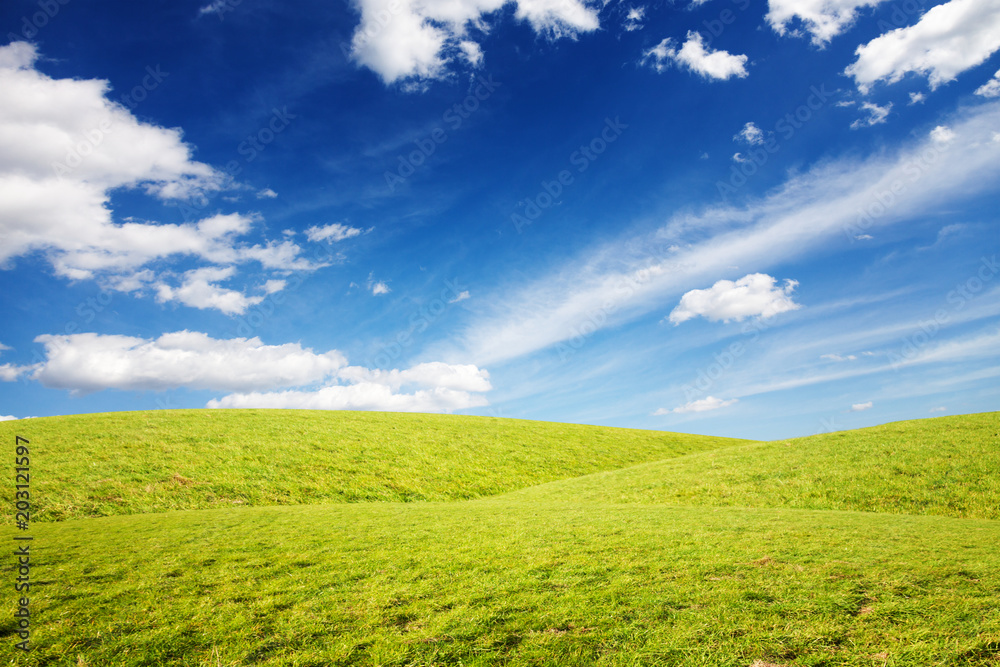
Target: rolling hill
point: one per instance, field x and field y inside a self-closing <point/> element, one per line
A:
<point x="580" y="546"/>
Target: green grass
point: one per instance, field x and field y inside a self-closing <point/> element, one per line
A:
<point x="142" y="462"/>
<point x="946" y="466"/>
<point x="608" y="568"/>
<point x="495" y="583"/>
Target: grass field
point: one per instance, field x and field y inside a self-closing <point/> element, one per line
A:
<point x="572" y="546"/>
<point x="139" y="462"/>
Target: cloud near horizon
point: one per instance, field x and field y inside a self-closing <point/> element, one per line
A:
<point x="701" y="405"/>
<point x="253" y="371"/>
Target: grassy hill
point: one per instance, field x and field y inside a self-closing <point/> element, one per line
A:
<point x="141" y="462"/>
<point x="615" y="568"/>
<point x="947" y="466"/>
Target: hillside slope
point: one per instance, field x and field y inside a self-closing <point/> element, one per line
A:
<point x="140" y="462"/>
<point x="947" y="466"/>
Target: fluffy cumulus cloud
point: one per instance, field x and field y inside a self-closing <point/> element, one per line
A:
<point x="942" y="134"/>
<point x="413" y="40"/>
<point x="693" y="55"/>
<point x="824" y="19"/>
<point x="258" y="375"/>
<point x="364" y="396"/>
<point x="90" y="362"/>
<point x="435" y="387"/>
<point x="948" y="40"/>
<point x="701" y="405"/>
<point x="65" y="145"/>
<point x="7" y="418"/>
<point x="861" y="407"/>
<point x="11" y="372"/>
<point x="991" y="88"/>
<point x="753" y="295"/>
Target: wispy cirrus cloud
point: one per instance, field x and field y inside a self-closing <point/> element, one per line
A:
<point x="614" y="284"/>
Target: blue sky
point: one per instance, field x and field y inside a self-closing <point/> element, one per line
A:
<point x="722" y="217"/>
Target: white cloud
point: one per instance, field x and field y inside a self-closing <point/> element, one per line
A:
<point x="948" y="40"/>
<point x="10" y="372"/>
<point x="215" y="7"/>
<point x="917" y="98"/>
<point x="272" y="286"/>
<point x="462" y="377"/>
<point x="991" y="88"/>
<point x="334" y="232"/>
<point x="437" y="387"/>
<point x="863" y="237"/>
<point x="379" y="288"/>
<point x="942" y="134"/>
<point x="824" y="19"/>
<point x="837" y="357"/>
<point x="461" y="296"/>
<point x="634" y="18"/>
<point x="876" y="115"/>
<point x="472" y="52"/>
<point x="364" y="396"/>
<point x="255" y="372"/>
<point x="90" y="362"/>
<point x="694" y="56"/>
<point x="701" y="405"/>
<point x="939" y="409"/>
<point x="753" y="295"/>
<point x="410" y="40"/>
<point x="818" y="209"/>
<point x="266" y="193"/>
<point x="65" y="146"/>
<point x="750" y="134"/>
<point x="199" y="289"/>
<point x="7" y="418"/>
<point x="861" y="407"/>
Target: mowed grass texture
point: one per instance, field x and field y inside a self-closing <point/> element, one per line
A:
<point x="612" y="568"/>
<point x="142" y="462"/>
